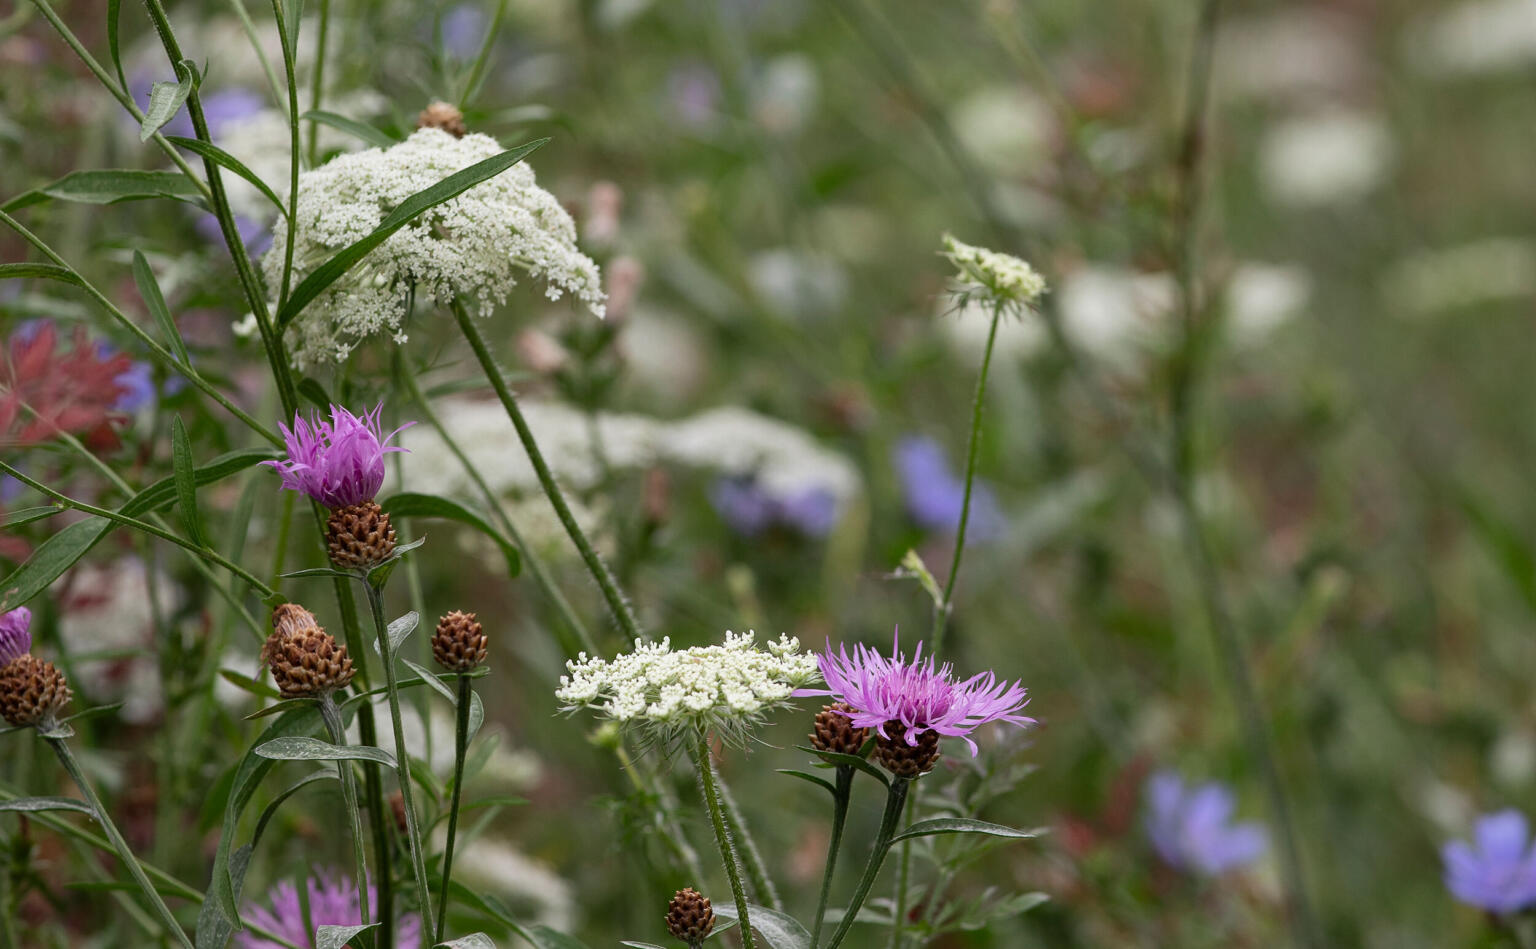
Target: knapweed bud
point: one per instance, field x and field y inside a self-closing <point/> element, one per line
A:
<point x="441" y="115"/>
<point x="32" y="692"/>
<point x="904" y="760"/>
<point x="459" y="643"/>
<point x="689" y="916"/>
<point x="306" y="661"/>
<point x="835" y="732"/>
<point x="359" y="535"/>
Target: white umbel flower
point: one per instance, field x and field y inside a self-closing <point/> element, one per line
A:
<point x="725" y="688"/>
<point x="1002" y="279"/>
<point x="472" y="246"/>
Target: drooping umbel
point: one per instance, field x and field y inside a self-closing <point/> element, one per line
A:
<point x="834" y="730"/>
<point x="32" y="691"/>
<point x="306" y="661"/>
<point x="689" y="916"/>
<point x="459" y="643"/>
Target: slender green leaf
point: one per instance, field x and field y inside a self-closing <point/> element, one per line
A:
<point x="412" y="504"/>
<point x="276" y="708"/>
<point x="95" y="711"/>
<point x="476" y="716"/>
<point x="167" y="98"/>
<point x="162" y="493"/>
<point x="293" y="16"/>
<point x="634" y="944"/>
<point x="27" y="515"/>
<point x="853" y="761"/>
<point x="213" y="930"/>
<point x="270" y="811"/>
<point x="224" y="159"/>
<point x="149" y="289"/>
<point x="352" y="127"/>
<point x="30" y="804"/>
<point x="447" y="189"/>
<point x="779" y="930"/>
<point x="331" y="572"/>
<point x="472" y="941"/>
<point x="809" y="777"/>
<point x="337" y="937"/>
<point x="54" y="556"/>
<point x="400" y="628"/>
<point x="114" y="47"/>
<point x="27" y="271"/>
<point x="433" y="681"/>
<point x="255" y="687"/>
<point x="186" y="481"/>
<point x="313" y="749"/>
<point x="961" y="825"/>
<point x="109" y="187"/>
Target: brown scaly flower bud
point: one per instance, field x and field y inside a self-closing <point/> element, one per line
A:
<point x="689" y="916"/>
<point x="459" y="643"/>
<point x="902" y="759"/>
<point x="834" y="732"/>
<point x="306" y="661"/>
<point x="397" y="808"/>
<point x="32" y="692"/>
<point x="359" y="535"/>
<point x="441" y="115"/>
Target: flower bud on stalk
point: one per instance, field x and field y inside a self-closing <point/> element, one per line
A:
<point x="32" y="691"/>
<point x="689" y="916"/>
<point x="306" y="661"/>
<point x="459" y="643"/>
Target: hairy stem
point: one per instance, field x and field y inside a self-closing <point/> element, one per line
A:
<point x="751" y="858"/>
<point x="402" y="760"/>
<point x="896" y="797"/>
<point x="460" y="745"/>
<point x="72" y="767"/>
<point x="599" y="570"/>
<point x="338" y="733"/>
<point x="840" y="798"/>
<point x="698" y="750"/>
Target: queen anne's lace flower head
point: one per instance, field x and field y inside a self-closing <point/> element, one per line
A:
<point x="726" y="688"/>
<point x="15" y="634"/>
<point x="339" y="461"/>
<point x="1003" y="279"/>
<point x="890" y="692"/>
<point x="472" y="246"/>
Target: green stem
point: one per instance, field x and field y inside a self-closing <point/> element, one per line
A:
<point x="256" y="47"/>
<point x="534" y="562"/>
<point x="291" y="231"/>
<point x="67" y="759"/>
<point x="903" y="868"/>
<point x="317" y="84"/>
<point x="840" y="798"/>
<point x="599" y="570"/>
<point x="460" y="744"/>
<point x="896" y="797"/>
<point x="698" y="750"/>
<point x="207" y="553"/>
<point x="972" y="451"/>
<point x="648" y="785"/>
<point x="338" y="733"/>
<point x="402" y="760"/>
<point x="484" y="57"/>
<point x="751" y="858"/>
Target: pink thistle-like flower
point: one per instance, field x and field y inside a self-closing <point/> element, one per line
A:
<point x="885" y="691"/>
<point x="333" y="901"/>
<point x="338" y="462"/>
<point x="15" y="634"/>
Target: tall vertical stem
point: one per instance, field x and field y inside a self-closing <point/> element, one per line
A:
<point x="402" y="759"/>
<point x="460" y="744"/>
<point x="338" y="732"/>
<point x="840" y="796"/>
<point x="896" y="798"/>
<point x="72" y="767"/>
<point x="599" y="570"/>
<point x="698" y="750"/>
<point x="751" y="859"/>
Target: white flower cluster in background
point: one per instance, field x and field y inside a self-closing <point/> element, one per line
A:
<point x="474" y="245"/>
<point x="1474" y="38"/>
<point x="1003" y="279"/>
<point x="1325" y="157"/>
<point x="726" y="687"/>
<point x="784" y="461"/>
<point x="1292" y="53"/>
<point x="1484" y="271"/>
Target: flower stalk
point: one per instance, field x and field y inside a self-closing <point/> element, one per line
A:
<point x="895" y="801"/>
<point x="698" y="750"/>
<point x="842" y="792"/>
<point x="338" y="734"/>
<point x="460" y="745"/>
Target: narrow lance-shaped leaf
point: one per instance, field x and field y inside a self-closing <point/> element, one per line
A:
<point x="352" y="127"/>
<point x="313" y="749"/>
<point x="27" y="271"/>
<point x="779" y="930"/>
<point x="109" y="186"/>
<point x="961" y="825"/>
<point x="167" y="98"/>
<point x="337" y="937"/>
<point x="186" y="483"/>
<point x="412" y="504"/>
<point x="149" y="289"/>
<point x="31" y="804"/>
<point x="423" y="200"/>
<point x="224" y="159"/>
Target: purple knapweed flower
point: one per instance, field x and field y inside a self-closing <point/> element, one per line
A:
<point x="333" y="901"/>
<point x="750" y="510"/>
<point x="1497" y="872"/>
<point x="15" y="634"/>
<point x="890" y="691"/>
<point x="935" y="496"/>
<point x="1191" y="827"/>
<point x="338" y="462"/>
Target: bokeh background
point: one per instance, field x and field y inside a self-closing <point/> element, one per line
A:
<point x="780" y="399"/>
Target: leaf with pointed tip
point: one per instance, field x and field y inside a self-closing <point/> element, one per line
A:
<point x="270" y="810"/>
<point x="852" y="761"/>
<point x="46" y="804"/>
<point x="472" y="941"/>
<point x="313" y="749"/>
<point x="186" y="486"/>
<point x="397" y="630"/>
<point x="27" y="515"/>
<point x="166" y="99"/>
<point x="337" y="937"/>
<point x="224" y="159"/>
<point x="411" y="504"/>
<point x="367" y="133"/>
<point x="779" y="930"/>
<point x="26" y="271"/>
<point x="961" y="825"/>
<point x="424" y="200"/>
<point x="809" y="777"/>
<point x="109" y="186"/>
<point x="149" y="289"/>
<point x="243" y="681"/>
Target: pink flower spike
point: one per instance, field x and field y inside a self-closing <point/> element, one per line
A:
<point x="916" y="695"/>
<point x="338" y="462"/>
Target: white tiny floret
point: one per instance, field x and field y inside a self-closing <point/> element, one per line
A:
<point x="726" y="687"/>
<point x="473" y="246"/>
<point x="1002" y="277"/>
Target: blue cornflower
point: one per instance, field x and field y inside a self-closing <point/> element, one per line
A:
<point x="1497" y="872"/>
<point x="1191" y="829"/>
<point x="935" y="496"/>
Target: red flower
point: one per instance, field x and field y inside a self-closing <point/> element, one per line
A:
<point x="44" y="392"/>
